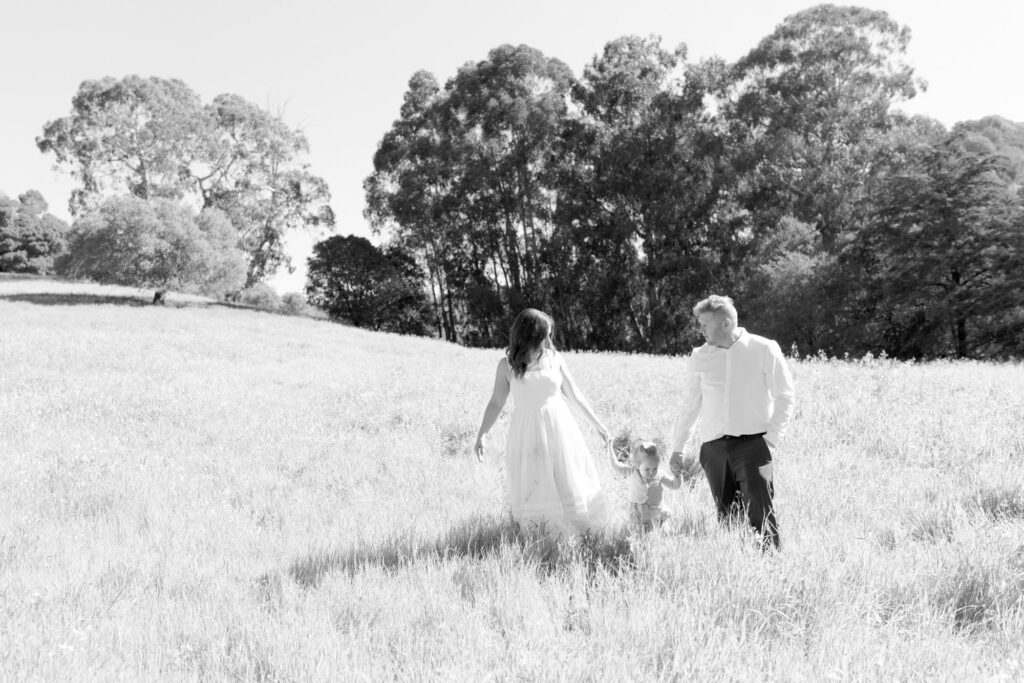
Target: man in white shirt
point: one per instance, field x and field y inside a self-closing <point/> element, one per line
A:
<point x="740" y="387"/>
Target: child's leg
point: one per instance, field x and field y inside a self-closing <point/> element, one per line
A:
<point x="636" y="519"/>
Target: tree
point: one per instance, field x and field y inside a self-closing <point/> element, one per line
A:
<point x="463" y="181"/>
<point x="789" y="179"/>
<point x="996" y="136"/>
<point x="509" y="110"/>
<point x="30" y="238"/>
<point x="156" y="244"/>
<point x="129" y="136"/>
<point x="644" y="205"/>
<point x="786" y="295"/>
<point x="153" y="138"/>
<point x="411" y="192"/>
<point x="254" y="171"/>
<point x="947" y="244"/>
<point x="805" y="106"/>
<point x="380" y="289"/>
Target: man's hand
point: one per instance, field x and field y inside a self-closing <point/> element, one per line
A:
<point x="686" y="467"/>
<point x="478" y="449"/>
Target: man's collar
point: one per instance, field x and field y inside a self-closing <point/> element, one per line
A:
<point x="741" y="337"/>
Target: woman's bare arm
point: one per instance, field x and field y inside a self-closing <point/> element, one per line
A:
<point x="497" y="401"/>
<point x="620" y="467"/>
<point x="573" y="393"/>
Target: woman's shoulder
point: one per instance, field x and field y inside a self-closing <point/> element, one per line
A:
<point x="504" y="368"/>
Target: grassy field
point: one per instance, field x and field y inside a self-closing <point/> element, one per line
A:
<point x="195" y="492"/>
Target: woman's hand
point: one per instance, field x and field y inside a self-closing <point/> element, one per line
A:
<point x="478" y="449"/>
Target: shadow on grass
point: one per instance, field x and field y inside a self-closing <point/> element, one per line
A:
<point x="18" y="277"/>
<point x="134" y="301"/>
<point x="53" y="299"/>
<point x="80" y="299"/>
<point x="475" y="538"/>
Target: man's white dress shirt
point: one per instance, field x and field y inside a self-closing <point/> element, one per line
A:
<point x="744" y="389"/>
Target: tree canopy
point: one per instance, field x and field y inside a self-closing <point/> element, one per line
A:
<point x="789" y="179"/>
<point x="153" y="138"/>
<point x="30" y="238"/>
<point x="358" y="283"/>
<point x="158" y="244"/>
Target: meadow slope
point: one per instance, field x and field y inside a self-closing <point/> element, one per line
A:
<point x="196" y="492"/>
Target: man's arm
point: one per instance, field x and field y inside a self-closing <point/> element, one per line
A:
<point x="780" y="383"/>
<point x="690" y="409"/>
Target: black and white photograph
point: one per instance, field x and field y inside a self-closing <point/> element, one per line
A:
<point x="573" y="340"/>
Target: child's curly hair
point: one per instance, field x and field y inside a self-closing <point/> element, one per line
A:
<point x="632" y="451"/>
<point x="643" y="450"/>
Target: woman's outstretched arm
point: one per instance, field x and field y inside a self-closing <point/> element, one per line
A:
<point x="620" y="467"/>
<point x="498" y="397"/>
<point x="573" y="393"/>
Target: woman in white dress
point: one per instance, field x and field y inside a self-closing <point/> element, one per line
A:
<point x="552" y="477"/>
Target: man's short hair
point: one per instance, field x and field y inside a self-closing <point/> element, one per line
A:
<point x="716" y="304"/>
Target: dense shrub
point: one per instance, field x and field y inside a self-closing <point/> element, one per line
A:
<point x="30" y="238"/>
<point x="260" y="295"/>
<point x="294" y="303"/>
<point x="159" y="244"/>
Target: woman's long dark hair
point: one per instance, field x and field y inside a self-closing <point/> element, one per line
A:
<point x="531" y="330"/>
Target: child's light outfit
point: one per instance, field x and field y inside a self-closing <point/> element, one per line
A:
<point x="645" y="499"/>
<point x="552" y="478"/>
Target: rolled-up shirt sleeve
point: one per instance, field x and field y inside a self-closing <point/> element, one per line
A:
<point x="690" y="408"/>
<point x="780" y="383"/>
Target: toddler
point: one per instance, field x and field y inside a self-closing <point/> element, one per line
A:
<point x="645" y="487"/>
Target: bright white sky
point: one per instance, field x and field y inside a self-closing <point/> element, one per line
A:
<point x="339" y="68"/>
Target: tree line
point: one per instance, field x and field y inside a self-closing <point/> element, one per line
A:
<point x="173" y="193"/>
<point x="789" y="179"/>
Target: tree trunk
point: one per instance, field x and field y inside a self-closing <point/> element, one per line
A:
<point x="454" y="337"/>
<point x="435" y="304"/>
<point x="961" y="337"/>
<point x="436" y="267"/>
<point x="512" y="248"/>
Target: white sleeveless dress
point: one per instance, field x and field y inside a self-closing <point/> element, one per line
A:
<point x="552" y="477"/>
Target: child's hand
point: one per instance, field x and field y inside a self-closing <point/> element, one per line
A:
<point x="687" y="468"/>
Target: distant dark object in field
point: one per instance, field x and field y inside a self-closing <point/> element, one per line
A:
<point x="158" y="299"/>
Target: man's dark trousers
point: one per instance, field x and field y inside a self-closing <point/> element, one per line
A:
<point x="742" y="464"/>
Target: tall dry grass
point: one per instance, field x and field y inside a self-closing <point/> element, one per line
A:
<point x="197" y="493"/>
